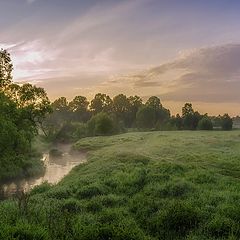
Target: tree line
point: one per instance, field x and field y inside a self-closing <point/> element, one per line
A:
<point x="104" y="115"/>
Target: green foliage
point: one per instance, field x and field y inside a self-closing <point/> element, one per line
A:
<point x="22" y="109"/>
<point x="187" y="110"/>
<point x="80" y="131"/>
<point x="6" y="68"/>
<point x="226" y="122"/>
<point x="101" y="103"/>
<point x="126" y="112"/>
<point x="205" y="124"/>
<point x="146" y="118"/>
<point x="154" y="102"/>
<point x="101" y="124"/>
<point x="147" y="185"/>
<point x="190" y="118"/>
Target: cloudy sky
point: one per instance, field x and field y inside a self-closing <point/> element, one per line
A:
<point x="179" y="50"/>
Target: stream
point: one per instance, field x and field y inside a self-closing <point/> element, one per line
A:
<point x="56" y="167"/>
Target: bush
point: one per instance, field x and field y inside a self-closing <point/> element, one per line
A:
<point x="205" y="124"/>
<point x="70" y="131"/>
<point x="80" y="131"/>
<point x="101" y="124"/>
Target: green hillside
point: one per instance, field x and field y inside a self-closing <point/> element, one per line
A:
<point x="151" y="185"/>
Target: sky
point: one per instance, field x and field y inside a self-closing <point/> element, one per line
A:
<point x="179" y="50"/>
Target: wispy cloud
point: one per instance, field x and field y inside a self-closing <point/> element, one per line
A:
<point x="209" y="75"/>
<point x="31" y="59"/>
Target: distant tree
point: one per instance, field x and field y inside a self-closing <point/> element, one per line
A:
<point x="79" y="109"/>
<point x="190" y="117"/>
<point x="187" y="110"/>
<point x="79" y="103"/>
<point x="120" y="103"/>
<point x="101" y="103"/>
<point x="226" y="122"/>
<point x="101" y="124"/>
<point x="146" y="117"/>
<point x="135" y="102"/>
<point x="205" y="123"/>
<point x="154" y="102"/>
<point x="60" y="104"/>
<point x="121" y="108"/>
<point x="217" y="121"/>
<point x="162" y="115"/>
<point x="176" y="122"/>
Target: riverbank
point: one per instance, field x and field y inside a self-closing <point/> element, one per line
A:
<point x="56" y="166"/>
<point x="27" y="166"/>
<point x="152" y="185"/>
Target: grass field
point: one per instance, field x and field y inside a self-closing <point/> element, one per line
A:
<point x="151" y="185"/>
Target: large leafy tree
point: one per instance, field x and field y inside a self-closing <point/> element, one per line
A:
<point x="154" y="102"/>
<point x="22" y="109"/>
<point x="121" y="107"/>
<point x="79" y="103"/>
<point x="190" y="117"/>
<point x="161" y="114"/>
<point x="79" y="109"/>
<point x="135" y="103"/>
<point x="56" y="120"/>
<point x="187" y="109"/>
<point x="101" y="103"/>
<point x="101" y="124"/>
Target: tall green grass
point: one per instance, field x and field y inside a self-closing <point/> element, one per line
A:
<point x="152" y="185"/>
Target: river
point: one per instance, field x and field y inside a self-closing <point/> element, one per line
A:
<point x="56" y="167"/>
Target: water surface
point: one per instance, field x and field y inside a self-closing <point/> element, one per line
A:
<point x="56" y="168"/>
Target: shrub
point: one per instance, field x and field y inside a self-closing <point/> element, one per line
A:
<point x="65" y="133"/>
<point x="80" y="131"/>
<point x="101" y="124"/>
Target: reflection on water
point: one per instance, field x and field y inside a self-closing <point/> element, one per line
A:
<point x="56" y="169"/>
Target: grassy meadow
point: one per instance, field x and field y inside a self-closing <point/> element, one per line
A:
<point x="149" y="185"/>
